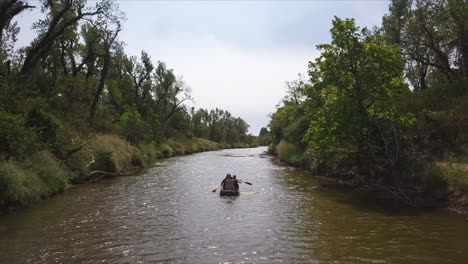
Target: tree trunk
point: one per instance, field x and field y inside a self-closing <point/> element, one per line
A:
<point x="102" y="82"/>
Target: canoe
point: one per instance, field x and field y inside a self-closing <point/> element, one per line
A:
<point x="229" y="193"/>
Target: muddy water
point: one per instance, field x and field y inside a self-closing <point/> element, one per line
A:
<point x="170" y="215"/>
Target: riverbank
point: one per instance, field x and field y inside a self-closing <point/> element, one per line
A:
<point x="25" y="183"/>
<point x="446" y="183"/>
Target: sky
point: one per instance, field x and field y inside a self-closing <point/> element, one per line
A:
<point x="234" y="55"/>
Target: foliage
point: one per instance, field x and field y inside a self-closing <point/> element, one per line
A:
<point x="218" y="125"/>
<point x="359" y="80"/>
<point x="50" y="171"/>
<point x="18" y="185"/>
<point x="391" y="101"/>
<point x="38" y="177"/>
<point x="263" y="136"/>
<point x="290" y="153"/>
<point x="111" y="153"/>
<point x="15" y="138"/>
<point x="132" y="126"/>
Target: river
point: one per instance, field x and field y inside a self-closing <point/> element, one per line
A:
<point x="170" y="215"/>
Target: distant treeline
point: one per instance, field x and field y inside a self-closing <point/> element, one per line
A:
<point x="73" y="85"/>
<point x="387" y="105"/>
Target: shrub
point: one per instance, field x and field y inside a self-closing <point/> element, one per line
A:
<point x="112" y="153"/>
<point x="38" y="177"/>
<point x="290" y="153"/>
<point x="149" y="152"/>
<point x="454" y="174"/>
<point x="138" y="160"/>
<point x="432" y="175"/>
<point x="77" y="164"/>
<point x="166" y="150"/>
<point x="180" y="145"/>
<point x="15" y="138"/>
<point x="52" y="174"/>
<point x="159" y="154"/>
<point x="105" y="162"/>
<point x="18" y="186"/>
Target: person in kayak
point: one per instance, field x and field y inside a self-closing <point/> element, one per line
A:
<point x="229" y="183"/>
<point x="236" y="182"/>
<point x="228" y="176"/>
<point x="240" y="181"/>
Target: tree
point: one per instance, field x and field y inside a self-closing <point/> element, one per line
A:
<point x="169" y="93"/>
<point x="435" y="37"/>
<point x="60" y="16"/>
<point x="139" y="72"/>
<point x="359" y="80"/>
<point x="295" y="91"/>
<point x="394" y="22"/>
<point x="109" y="27"/>
<point x="263" y="136"/>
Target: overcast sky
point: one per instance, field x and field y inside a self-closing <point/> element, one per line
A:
<point x="235" y="55"/>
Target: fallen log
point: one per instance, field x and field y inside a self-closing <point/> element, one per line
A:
<point x="103" y="174"/>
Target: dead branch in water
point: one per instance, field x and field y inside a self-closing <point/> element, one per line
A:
<point x="398" y="192"/>
<point x="102" y="174"/>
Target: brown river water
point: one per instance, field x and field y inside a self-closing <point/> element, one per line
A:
<point x="170" y="215"/>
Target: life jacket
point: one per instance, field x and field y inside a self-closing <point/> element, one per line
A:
<point x="229" y="184"/>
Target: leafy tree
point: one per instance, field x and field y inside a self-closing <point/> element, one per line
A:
<point x="263" y="136"/>
<point x="359" y="80"/>
<point x="61" y="15"/>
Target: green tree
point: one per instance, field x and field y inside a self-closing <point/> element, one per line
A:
<point x="359" y="80"/>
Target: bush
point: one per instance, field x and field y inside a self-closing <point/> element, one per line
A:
<point x="51" y="173"/>
<point x="432" y="176"/>
<point x="290" y="153"/>
<point x="77" y="163"/>
<point x="159" y="154"/>
<point x="38" y="177"/>
<point x="205" y="144"/>
<point x="15" y="138"/>
<point x="138" y="160"/>
<point x="112" y="153"/>
<point x="454" y="174"/>
<point x="166" y="150"/>
<point x="149" y="152"/>
<point x="180" y="145"/>
<point x="105" y="162"/>
<point x="18" y="186"/>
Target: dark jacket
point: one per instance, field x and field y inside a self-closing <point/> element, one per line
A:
<point x="230" y="184"/>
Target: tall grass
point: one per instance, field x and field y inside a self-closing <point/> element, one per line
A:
<point x="112" y="153"/>
<point x="38" y="177"/>
<point x="50" y="171"/>
<point x="290" y="153"/>
<point x="18" y="186"/>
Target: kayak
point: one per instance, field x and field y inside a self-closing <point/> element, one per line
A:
<point x="229" y="193"/>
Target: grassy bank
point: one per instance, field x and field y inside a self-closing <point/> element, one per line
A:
<point x="442" y="183"/>
<point x="25" y="182"/>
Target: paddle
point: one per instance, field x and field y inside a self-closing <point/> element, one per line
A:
<point x="217" y="188"/>
<point x="241" y="181"/>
